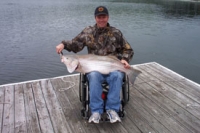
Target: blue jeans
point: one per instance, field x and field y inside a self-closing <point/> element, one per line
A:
<point x="114" y="80"/>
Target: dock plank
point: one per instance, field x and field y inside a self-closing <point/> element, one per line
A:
<point x="139" y="120"/>
<point x="8" y="115"/>
<point x="74" y="124"/>
<point x="178" y="97"/>
<point x="160" y="101"/>
<point x="42" y="112"/>
<point x="1" y="106"/>
<point x="178" y="113"/>
<point x="129" y="125"/>
<point x="158" y="113"/>
<point x="165" y="73"/>
<point x="152" y="121"/>
<point x="20" y="117"/>
<point x="31" y="113"/>
<point x="185" y="89"/>
<point x="177" y="91"/>
<point x="76" y="107"/>
<point x="185" y="86"/>
<point x="54" y="108"/>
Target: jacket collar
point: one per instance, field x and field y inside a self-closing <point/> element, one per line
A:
<point x="102" y="30"/>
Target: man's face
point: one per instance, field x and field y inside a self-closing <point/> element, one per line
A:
<point x="102" y="20"/>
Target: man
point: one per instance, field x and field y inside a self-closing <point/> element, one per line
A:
<point x="102" y="39"/>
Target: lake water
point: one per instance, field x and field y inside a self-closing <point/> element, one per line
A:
<point x="167" y="32"/>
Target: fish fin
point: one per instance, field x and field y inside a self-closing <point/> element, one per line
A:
<point x="72" y="66"/>
<point x="132" y="75"/>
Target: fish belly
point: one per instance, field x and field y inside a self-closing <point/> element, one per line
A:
<point x="102" y="67"/>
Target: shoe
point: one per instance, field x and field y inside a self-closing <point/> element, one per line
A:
<point x="95" y="117"/>
<point x="113" y="116"/>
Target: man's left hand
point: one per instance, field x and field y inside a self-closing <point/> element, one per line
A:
<point x="126" y="65"/>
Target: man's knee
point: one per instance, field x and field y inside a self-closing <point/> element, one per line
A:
<point x="94" y="75"/>
<point x="117" y="75"/>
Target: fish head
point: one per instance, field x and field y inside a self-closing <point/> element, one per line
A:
<point x="71" y="62"/>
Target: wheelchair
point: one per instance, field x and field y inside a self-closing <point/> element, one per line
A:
<point x="85" y="98"/>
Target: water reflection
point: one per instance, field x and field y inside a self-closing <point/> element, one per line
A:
<point x="188" y="8"/>
<point x="182" y="8"/>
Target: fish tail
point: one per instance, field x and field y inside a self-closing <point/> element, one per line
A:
<point x="132" y="75"/>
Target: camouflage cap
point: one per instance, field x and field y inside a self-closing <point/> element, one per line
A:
<point x="101" y="10"/>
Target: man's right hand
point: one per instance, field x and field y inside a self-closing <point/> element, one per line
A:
<point x="59" y="48"/>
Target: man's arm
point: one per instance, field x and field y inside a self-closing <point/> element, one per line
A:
<point x="127" y="51"/>
<point x="75" y="45"/>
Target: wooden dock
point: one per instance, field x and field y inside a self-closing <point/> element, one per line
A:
<point x="161" y="101"/>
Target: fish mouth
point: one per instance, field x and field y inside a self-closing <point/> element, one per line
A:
<point x="61" y="54"/>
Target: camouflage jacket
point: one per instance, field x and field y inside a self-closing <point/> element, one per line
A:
<point x="101" y="41"/>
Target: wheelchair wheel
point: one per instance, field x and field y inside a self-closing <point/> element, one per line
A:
<point x="121" y="114"/>
<point x="125" y="90"/>
<point x="127" y="86"/>
<point x="82" y="86"/>
<point x="85" y="114"/>
<point x="84" y="96"/>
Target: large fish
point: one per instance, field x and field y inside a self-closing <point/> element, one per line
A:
<point x="103" y="64"/>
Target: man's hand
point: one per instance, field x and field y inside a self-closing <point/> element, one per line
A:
<point x="59" y="48"/>
<point x="126" y="65"/>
